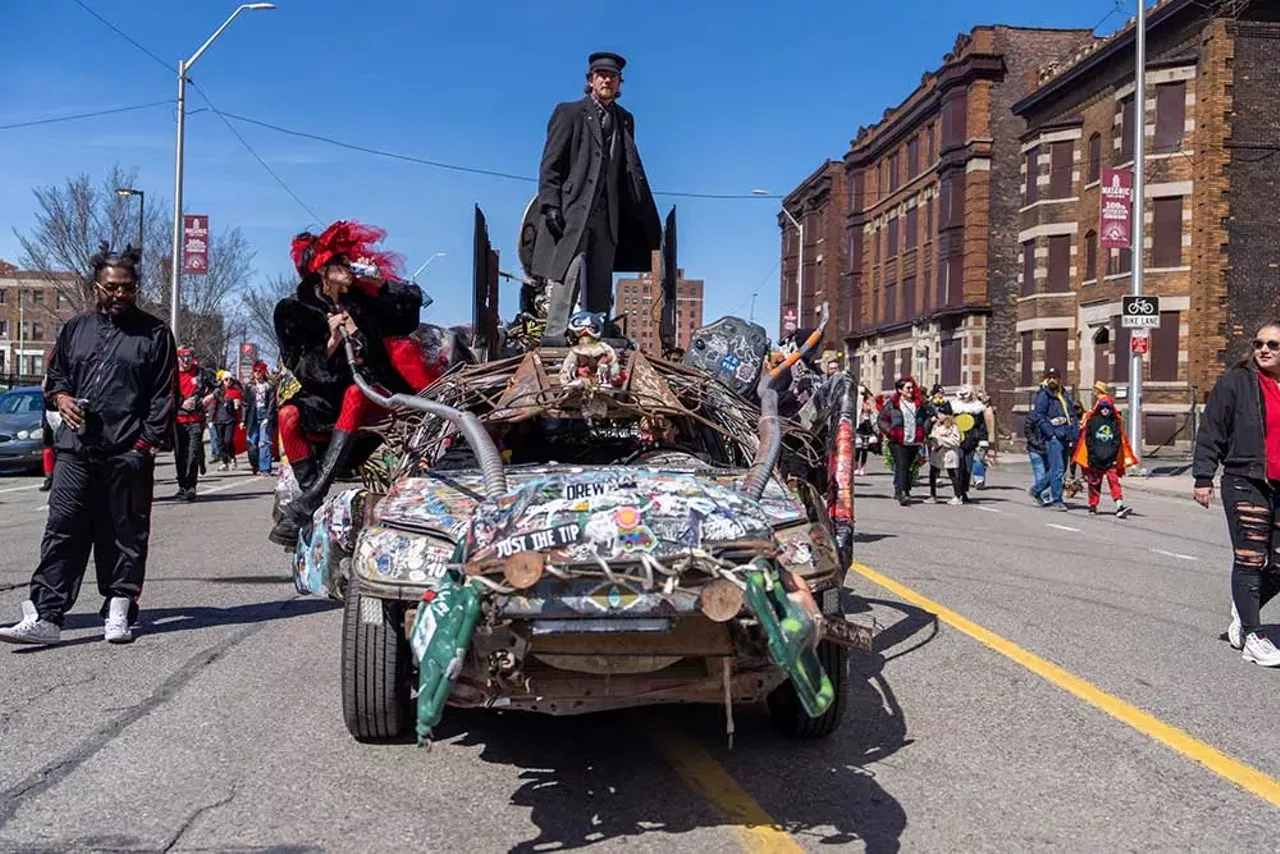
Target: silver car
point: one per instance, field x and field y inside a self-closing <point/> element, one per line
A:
<point x="21" y="429"/>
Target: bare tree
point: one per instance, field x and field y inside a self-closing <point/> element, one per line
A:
<point x="259" y="307"/>
<point x="72" y="220"/>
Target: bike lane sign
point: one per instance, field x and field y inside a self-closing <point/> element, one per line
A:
<point x="1140" y="312"/>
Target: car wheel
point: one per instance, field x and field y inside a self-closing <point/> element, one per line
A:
<point x="376" y="668"/>
<point x="790" y="718"/>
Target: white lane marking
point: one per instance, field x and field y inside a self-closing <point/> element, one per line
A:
<point x="1061" y="527"/>
<point x="1173" y="554"/>
<point x="19" y="488"/>
<point x="986" y="509"/>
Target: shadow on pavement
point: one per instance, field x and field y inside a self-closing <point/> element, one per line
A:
<point x="594" y="778"/>
<point x="163" y="621"/>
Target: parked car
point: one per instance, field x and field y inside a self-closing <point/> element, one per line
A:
<point x="21" y="429"/>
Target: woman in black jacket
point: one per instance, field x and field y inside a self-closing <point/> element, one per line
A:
<point x="348" y="291"/>
<point x="1240" y="430"/>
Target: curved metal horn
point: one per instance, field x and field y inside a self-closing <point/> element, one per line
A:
<point x="491" y="468"/>
<point x="809" y="343"/>
<point x="770" y="447"/>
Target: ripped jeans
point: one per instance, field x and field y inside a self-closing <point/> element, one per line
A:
<point x="1253" y="517"/>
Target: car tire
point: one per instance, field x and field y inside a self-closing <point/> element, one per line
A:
<point x="376" y="668"/>
<point x="789" y="717"/>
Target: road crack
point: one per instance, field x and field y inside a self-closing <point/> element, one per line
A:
<point x="49" y="776"/>
<point x="195" y="816"/>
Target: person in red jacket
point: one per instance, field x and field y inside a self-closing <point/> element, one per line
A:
<point x="1103" y="451"/>
<point x="194" y="389"/>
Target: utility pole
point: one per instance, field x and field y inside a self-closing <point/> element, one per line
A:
<point x="800" y="320"/>
<point x="1138" y="230"/>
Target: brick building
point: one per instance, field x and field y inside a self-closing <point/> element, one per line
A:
<point x="818" y="204"/>
<point x="1209" y="115"/>
<point x="932" y="216"/>
<point x="32" y="311"/>
<point x="638" y="300"/>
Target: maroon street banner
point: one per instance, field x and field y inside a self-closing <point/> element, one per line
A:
<point x="195" y="243"/>
<point x="790" y="322"/>
<point x="1115" y="224"/>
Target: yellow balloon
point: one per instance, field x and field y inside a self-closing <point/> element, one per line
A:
<point x="965" y="422"/>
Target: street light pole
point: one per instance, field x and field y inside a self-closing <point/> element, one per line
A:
<point x="799" y="270"/>
<point x="425" y="264"/>
<point x="142" y="206"/>
<point x="175" y="280"/>
<point x="1138" y="231"/>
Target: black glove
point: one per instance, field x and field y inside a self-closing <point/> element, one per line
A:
<point x="554" y="221"/>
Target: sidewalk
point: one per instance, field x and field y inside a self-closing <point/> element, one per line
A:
<point x="1163" y="478"/>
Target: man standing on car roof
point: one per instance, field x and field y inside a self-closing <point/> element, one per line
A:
<point x="593" y="196"/>
<point x="113" y="379"/>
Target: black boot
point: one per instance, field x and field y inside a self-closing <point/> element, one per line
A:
<point x="48" y="483"/>
<point x="299" y="512"/>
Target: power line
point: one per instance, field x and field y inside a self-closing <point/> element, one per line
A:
<point x="77" y="116"/>
<point x="122" y="34"/>
<point x="315" y="216"/>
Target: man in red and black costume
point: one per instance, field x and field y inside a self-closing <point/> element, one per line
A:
<point x="348" y="289"/>
<point x="194" y="387"/>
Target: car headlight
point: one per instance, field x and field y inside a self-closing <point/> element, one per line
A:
<point x="24" y="434"/>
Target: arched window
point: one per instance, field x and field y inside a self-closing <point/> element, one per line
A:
<point x="1095" y="159"/>
<point x="1091" y="256"/>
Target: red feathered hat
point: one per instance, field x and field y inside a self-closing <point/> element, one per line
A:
<point x="260" y="366"/>
<point x="345" y="240"/>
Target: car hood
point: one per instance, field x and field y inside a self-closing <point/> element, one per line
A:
<point x="11" y="424"/>
<point x="673" y="499"/>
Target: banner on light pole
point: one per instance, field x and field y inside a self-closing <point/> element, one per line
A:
<point x="1115" y="218"/>
<point x="195" y="244"/>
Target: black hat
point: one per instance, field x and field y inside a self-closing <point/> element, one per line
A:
<point x="606" y="61"/>
<point x="1053" y="372"/>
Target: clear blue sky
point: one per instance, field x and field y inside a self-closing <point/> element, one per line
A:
<point x="728" y="97"/>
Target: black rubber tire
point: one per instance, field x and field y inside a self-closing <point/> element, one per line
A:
<point x="376" y="671"/>
<point x="790" y="718"/>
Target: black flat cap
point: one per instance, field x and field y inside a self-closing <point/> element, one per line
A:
<point x="1053" y="372"/>
<point x="606" y="61"/>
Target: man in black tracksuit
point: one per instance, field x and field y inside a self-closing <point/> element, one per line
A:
<point x="112" y="378"/>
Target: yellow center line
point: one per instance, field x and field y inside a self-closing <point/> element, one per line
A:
<point x="757" y="829"/>
<point x="1250" y="779"/>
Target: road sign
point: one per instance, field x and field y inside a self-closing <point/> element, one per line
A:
<point x="1138" y="312"/>
<point x="1139" y="345"/>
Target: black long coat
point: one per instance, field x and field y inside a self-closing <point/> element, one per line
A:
<point x="568" y="180"/>
<point x="302" y="333"/>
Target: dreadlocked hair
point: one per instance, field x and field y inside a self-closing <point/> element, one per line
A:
<point x="130" y="258"/>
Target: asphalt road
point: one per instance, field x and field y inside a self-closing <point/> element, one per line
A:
<point x="221" y="729"/>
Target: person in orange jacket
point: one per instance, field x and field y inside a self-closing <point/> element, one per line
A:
<point x="1104" y="451"/>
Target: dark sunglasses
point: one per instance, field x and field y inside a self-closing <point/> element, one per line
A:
<point x="1273" y="346"/>
<point x="125" y="288"/>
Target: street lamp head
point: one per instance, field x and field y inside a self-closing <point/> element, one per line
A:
<point x="759" y="192"/>
<point x="127" y="191"/>
<point x="256" y="6"/>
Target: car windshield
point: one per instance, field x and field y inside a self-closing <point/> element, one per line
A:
<point x="19" y="403"/>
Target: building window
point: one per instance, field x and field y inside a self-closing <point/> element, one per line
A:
<point x="893" y="171"/>
<point x="1094" y="172"/>
<point x="4" y="297"/>
<point x="1120" y="262"/>
<point x="1126" y="129"/>
<point x="1033" y="172"/>
<point x="1164" y="348"/>
<point x="1171" y="115"/>
<point x="913" y="225"/>
<point x="928" y="220"/>
<point x="1028" y="375"/>
<point x="1166" y="232"/>
<point x="890" y="302"/>
<point x="893" y="237"/>
<point x="37" y="297"/>
<point x="1055" y="349"/>
<point x="955" y="279"/>
<point x="37" y="331"/>
<point x="913" y="158"/>
<point x="951" y="210"/>
<point x="875" y="298"/>
<point x="875" y="250"/>
<point x="908" y="297"/>
<point x="954" y="130"/>
<point x="930" y="153"/>
<point x="949" y="356"/>
<point x="4" y="329"/>
<point x="888" y="370"/>
<point x="1060" y="168"/>
<point x="1028" y="268"/>
<point x="35" y="366"/>
<point x="1059" y="279"/>
<point x="1121" y="356"/>
<point x="1102" y="354"/>
<point x="1091" y="256"/>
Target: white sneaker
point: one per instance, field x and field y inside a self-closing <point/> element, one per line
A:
<point x="32" y="629"/>
<point x="1234" y="630"/>
<point x="955" y="500"/>
<point x="1260" y="650"/>
<point x="117" y="627"/>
